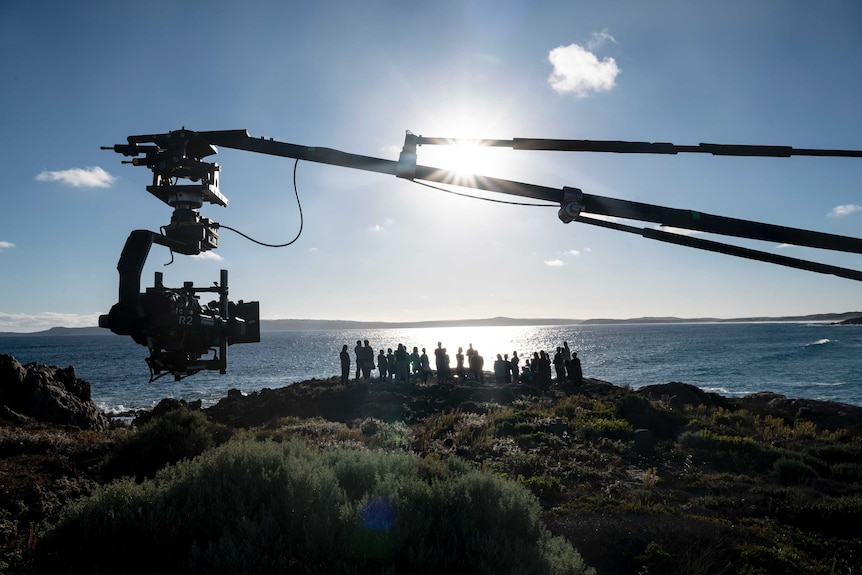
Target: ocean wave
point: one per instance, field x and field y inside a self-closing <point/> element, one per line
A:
<point x="825" y="383"/>
<point x="823" y="341"/>
<point x="113" y="409"/>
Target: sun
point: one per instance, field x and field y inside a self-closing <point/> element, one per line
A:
<point x="466" y="157"/>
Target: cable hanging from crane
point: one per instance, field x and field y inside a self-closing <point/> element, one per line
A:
<point x="301" y="220"/>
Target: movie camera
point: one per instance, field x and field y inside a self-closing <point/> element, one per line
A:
<point x="171" y="322"/>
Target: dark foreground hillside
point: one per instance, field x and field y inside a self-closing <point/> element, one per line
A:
<point x="665" y="479"/>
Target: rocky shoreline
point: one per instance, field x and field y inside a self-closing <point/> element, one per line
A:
<point x="50" y="394"/>
<point x="631" y="477"/>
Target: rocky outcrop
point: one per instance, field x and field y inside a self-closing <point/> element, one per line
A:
<point x="48" y="394"/>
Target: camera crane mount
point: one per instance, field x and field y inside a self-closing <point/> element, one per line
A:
<point x="178" y="330"/>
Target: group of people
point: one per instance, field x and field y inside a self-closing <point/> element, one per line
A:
<point x="411" y="367"/>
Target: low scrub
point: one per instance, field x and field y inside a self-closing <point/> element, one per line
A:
<point x="264" y="507"/>
<point x="174" y="436"/>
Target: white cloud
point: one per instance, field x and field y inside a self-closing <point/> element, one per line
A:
<point x="600" y="38"/>
<point x="79" y="177"/>
<point x="844" y="210"/>
<point x="579" y="71"/>
<point x="25" y="323"/>
<point x="572" y="253"/>
<point x="209" y="256"/>
<point x="376" y="228"/>
<point x="6" y="245"/>
<point x="554" y="263"/>
<point x="313" y="249"/>
<point x="784" y="246"/>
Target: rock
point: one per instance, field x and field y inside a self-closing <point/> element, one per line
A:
<point x="828" y="415"/>
<point x="680" y="395"/>
<point x="49" y="394"/>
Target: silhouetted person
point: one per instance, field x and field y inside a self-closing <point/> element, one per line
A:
<point x="507" y="376"/>
<point x="402" y="364"/>
<point x="459" y="364"/>
<point x="345" y="364"/>
<point x="514" y="366"/>
<point x="439" y="354"/>
<point x="473" y="364"/>
<point x="357" y="351"/>
<point x="382" y="364"/>
<point x="424" y="366"/>
<point x="500" y="369"/>
<point x="577" y="375"/>
<point x="415" y="361"/>
<point x="560" y="365"/>
<point x="390" y="363"/>
<point x="367" y="361"/>
<point x="567" y="357"/>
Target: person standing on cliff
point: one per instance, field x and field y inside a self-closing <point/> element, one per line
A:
<point x="577" y="375"/>
<point x="345" y="364"/>
<point x="390" y="363"/>
<point x="367" y="360"/>
<point x="382" y="364"/>
<point x="402" y="364"/>
<point x="357" y="351"/>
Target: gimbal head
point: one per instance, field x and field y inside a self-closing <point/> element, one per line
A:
<point x="172" y="157"/>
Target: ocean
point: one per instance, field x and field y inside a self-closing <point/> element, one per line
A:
<point x="799" y="360"/>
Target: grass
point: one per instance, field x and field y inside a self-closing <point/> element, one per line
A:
<point x="752" y="492"/>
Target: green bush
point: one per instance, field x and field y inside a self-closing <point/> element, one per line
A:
<point x="174" y="436"/>
<point x="729" y="452"/>
<point x="262" y="507"/>
<point x="792" y="471"/>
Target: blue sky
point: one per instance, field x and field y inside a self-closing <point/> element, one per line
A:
<point x="354" y="76"/>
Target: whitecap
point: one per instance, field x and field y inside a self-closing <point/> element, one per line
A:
<point x="823" y="341"/>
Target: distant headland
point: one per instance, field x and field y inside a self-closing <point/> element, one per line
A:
<point x="268" y="325"/>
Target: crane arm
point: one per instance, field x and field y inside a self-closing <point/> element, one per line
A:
<point x="573" y="202"/>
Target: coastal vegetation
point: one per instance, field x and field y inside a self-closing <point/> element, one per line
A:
<point x="381" y="477"/>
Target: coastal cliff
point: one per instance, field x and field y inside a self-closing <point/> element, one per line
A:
<point x="667" y="477"/>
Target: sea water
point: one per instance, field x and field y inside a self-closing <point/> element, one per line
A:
<point x="799" y="360"/>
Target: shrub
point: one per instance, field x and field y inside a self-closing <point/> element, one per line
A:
<point x="741" y="454"/>
<point x="174" y="436"/>
<point x="792" y="471"/>
<point x="609" y="428"/>
<point x="262" y="507"/>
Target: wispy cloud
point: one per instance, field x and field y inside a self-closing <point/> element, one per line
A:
<point x="94" y="177"/>
<point x="844" y="210"/>
<point x="578" y="71"/>
<point x="6" y="245"/>
<point x="208" y="256"/>
<point x="572" y="253"/>
<point x="554" y="263"/>
<point x="25" y="323"/>
<point x="376" y="228"/>
<point x="600" y="38"/>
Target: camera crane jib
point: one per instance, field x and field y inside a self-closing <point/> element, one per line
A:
<point x="178" y="330"/>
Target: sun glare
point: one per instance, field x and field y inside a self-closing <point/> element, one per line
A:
<point x="467" y="157"/>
